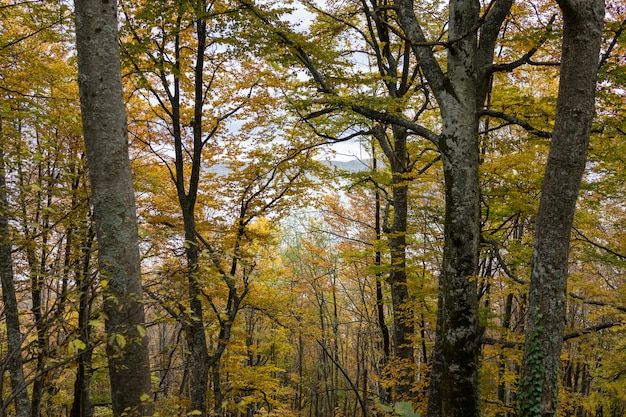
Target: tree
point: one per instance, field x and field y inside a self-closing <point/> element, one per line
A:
<point x="582" y="36"/>
<point x="156" y="62"/>
<point x="105" y="135"/>
<point x="14" y="362"/>
<point x="298" y="325"/>
<point x="36" y="135"/>
<point x="459" y="88"/>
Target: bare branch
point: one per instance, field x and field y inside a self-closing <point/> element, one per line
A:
<point x="599" y="246"/>
<point x="598" y="303"/>
<point x="503" y="265"/>
<point x="519" y="122"/>
<point x="572" y="335"/>
<point x="607" y="53"/>
<point x="591" y="329"/>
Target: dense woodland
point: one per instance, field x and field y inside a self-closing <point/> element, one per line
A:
<point x="448" y="275"/>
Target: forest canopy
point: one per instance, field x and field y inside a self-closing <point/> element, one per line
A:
<point x="466" y="258"/>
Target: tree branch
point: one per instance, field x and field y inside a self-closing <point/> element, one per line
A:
<point x="599" y="246"/>
<point x="387" y="118"/>
<point x="519" y="122"/>
<point x="591" y="329"/>
<point x="572" y="335"/>
<point x="598" y="303"/>
<point x="526" y="58"/>
<point x="607" y="53"/>
<point x="498" y="11"/>
<point x="300" y="53"/>
<point x="501" y="262"/>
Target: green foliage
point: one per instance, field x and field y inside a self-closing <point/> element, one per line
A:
<point x="310" y="284"/>
<point x="532" y="385"/>
<point x="401" y="408"/>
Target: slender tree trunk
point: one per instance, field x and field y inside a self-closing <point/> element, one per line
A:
<point x="37" y="282"/>
<point x="380" y="306"/>
<point x="81" y="406"/>
<point x="502" y="359"/>
<point x="195" y="327"/>
<point x="403" y="322"/>
<point x="11" y="311"/>
<point x="582" y="36"/>
<point x="218" y="394"/>
<point x="106" y="142"/>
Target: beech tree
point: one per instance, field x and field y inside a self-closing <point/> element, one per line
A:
<point x="582" y="36"/>
<point x="106" y="142"/>
<point x="459" y="87"/>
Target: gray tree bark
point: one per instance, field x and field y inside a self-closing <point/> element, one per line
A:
<point x="106" y="142"/>
<point x="582" y="36"/>
<point x="460" y="93"/>
<point x="14" y="362"/>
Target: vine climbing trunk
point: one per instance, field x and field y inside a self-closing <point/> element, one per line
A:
<point x="106" y="143"/>
<point x="582" y="37"/>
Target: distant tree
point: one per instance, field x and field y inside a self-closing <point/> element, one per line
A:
<point x="14" y="363"/>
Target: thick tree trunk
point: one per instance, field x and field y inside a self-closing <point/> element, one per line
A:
<point x="582" y="36"/>
<point x="453" y="385"/>
<point x="459" y="93"/>
<point x="106" y="142"/>
<point x="9" y="298"/>
<point x="454" y="365"/>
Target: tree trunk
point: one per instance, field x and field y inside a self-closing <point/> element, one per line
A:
<point x="453" y="385"/>
<point x="194" y="329"/>
<point x="582" y="36"/>
<point x="380" y="306"/>
<point x="403" y="323"/>
<point x="11" y="311"/>
<point x="106" y="142"/>
<point x="453" y="388"/>
<point x="81" y="406"/>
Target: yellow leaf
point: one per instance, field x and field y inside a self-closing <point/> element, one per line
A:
<point x="120" y="340"/>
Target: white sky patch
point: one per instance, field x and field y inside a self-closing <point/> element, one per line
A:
<point x="300" y="18"/>
<point x="348" y="151"/>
